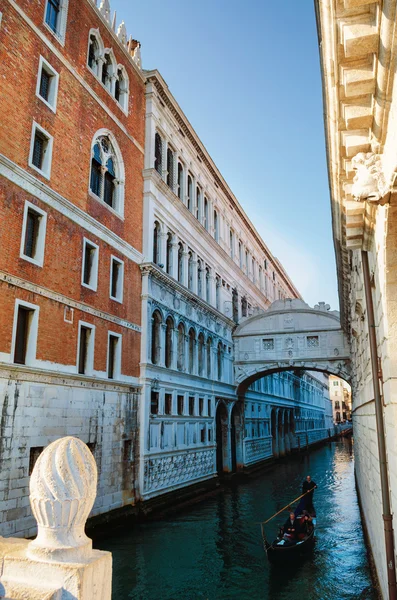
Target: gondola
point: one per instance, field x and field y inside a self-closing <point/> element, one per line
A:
<point x="288" y="551"/>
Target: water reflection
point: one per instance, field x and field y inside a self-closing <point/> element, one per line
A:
<point x="214" y="551"/>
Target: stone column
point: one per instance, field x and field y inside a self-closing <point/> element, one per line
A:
<point x="164" y="170"/>
<point x="174" y="259"/>
<point x="174" y="351"/>
<point x="194" y="273"/>
<point x="185" y="263"/>
<point x="163" y="249"/>
<point x="163" y="328"/>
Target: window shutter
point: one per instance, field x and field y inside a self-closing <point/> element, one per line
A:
<point x="38" y="150"/>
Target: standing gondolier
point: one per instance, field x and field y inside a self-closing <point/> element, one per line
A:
<point x="309" y="486"/>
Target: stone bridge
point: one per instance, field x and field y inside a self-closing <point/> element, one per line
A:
<point x="290" y="335"/>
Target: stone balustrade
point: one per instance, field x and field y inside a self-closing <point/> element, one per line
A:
<point x="60" y="563"/>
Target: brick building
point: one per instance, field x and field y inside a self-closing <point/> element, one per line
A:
<point x="71" y="160"/>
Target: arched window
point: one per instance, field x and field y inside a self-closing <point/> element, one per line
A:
<point x="156" y="337"/>
<point x="253" y="270"/>
<point x="189" y="192"/>
<point x="220" y="361"/>
<point x="246" y="261"/>
<point x="158" y="153"/>
<point x="169" y="333"/>
<point x="199" y="279"/>
<point x="192" y="342"/>
<point x="190" y="271"/>
<point x="94" y="53"/>
<point x="180" y="262"/>
<point x="231" y="241"/>
<point x="260" y="278"/>
<point x="108" y="71"/>
<point x="198" y="203"/>
<point x="121" y="88"/>
<point x="206" y="224"/>
<point x="201" y="354"/>
<point x="180" y="181"/>
<point x="209" y="350"/>
<point x="170" y="168"/>
<point x="218" y="292"/>
<point x="169" y="254"/>
<point x="106" y="179"/>
<point x="244" y="306"/>
<point x="156" y="243"/>
<point x="216" y="226"/>
<point x="240" y="253"/>
<point x="181" y="347"/>
<point x="207" y="284"/>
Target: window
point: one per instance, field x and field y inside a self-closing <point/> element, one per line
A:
<point x="218" y="292"/>
<point x="47" y="84"/>
<point x="189" y="192"/>
<point x="181" y="347"/>
<point x="33" y="456"/>
<point x="202" y="434"/>
<point x="156" y="337"/>
<point x="94" y="54"/>
<point x="154" y="403"/>
<point x="207" y="285"/>
<point x="25" y="333"/>
<point x="201" y="406"/>
<point x="190" y="271"/>
<point x="169" y="254"/>
<point x="156" y="243"/>
<point x="169" y="336"/>
<point x="116" y="279"/>
<point x="158" y="153"/>
<point x="40" y="150"/>
<point x="86" y="349"/>
<point x="201" y="354"/>
<point x="246" y="261"/>
<point x="89" y="276"/>
<point x="216" y="226"/>
<point x="108" y="71"/>
<point x="209" y="350"/>
<point x="121" y="91"/>
<point x="199" y="279"/>
<point x="114" y="355"/>
<point x="180" y="181"/>
<point x="180" y="262"/>
<point x="33" y="234"/>
<point x="244" y="306"/>
<point x="192" y="343"/>
<point x="191" y="405"/>
<point x="198" y="203"/>
<point x="170" y="168"/>
<point x="240" y="254"/>
<point x="206" y="223"/>
<point x="231" y="241"/>
<point x="181" y="402"/>
<point x="168" y="404"/>
<point x="313" y="341"/>
<point x="55" y="17"/>
<point x="220" y="361"/>
<point x="336" y="383"/>
<point x="253" y="270"/>
<point x="106" y="178"/>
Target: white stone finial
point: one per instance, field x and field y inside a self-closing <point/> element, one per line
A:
<point x="62" y="493"/>
<point x="114" y="21"/>
<point x="122" y="33"/>
<point x="104" y="8"/>
<point x="137" y="56"/>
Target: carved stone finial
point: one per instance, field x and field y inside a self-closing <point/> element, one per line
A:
<point x="137" y="56"/>
<point x="114" y="21"/>
<point x="369" y="182"/>
<point x="62" y="493"/>
<point x="122" y="33"/>
<point x="104" y="8"/>
<point x="322" y="306"/>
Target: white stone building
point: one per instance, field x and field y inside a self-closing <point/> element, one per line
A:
<point x="341" y="399"/>
<point x="205" y="269"/>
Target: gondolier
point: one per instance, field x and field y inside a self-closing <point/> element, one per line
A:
<point x="309" y="486"/>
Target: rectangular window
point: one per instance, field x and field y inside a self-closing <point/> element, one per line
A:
<point x="114" y="356"/>
<point x="202" y="434"/>
<point x="89" y="276"/>
<point x="33" y="234"/>
<point x="40" y="150"/>
<point x="181" y="400"/>
<point x="268" y="344"/>
<point x="47" y="84"/>
<point x="33" y="456"/>
<point x="191" y="405"/>
<point x="154" y="403"/>
<point x="52" y="16"/>
<point x="209" y="435"/>
<point x="116" y="279"/>
<point x="313" y="341"/>
<point x="201" y="405"/>
<point x="86" y="349"/>
<point x="168" y="404"/>
<point x="23" y="331"/>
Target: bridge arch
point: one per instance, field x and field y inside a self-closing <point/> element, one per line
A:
<point x="290" y="335"/>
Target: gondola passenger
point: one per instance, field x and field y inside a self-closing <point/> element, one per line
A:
<point x="290" y="527"/>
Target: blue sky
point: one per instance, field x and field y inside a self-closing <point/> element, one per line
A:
<point x="247" y="77"/>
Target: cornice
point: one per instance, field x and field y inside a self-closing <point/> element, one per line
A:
<point x="165" y="95"/>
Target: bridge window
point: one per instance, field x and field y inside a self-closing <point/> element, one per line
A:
<point x="313" y="341"/>
<point x="268" y="344"/>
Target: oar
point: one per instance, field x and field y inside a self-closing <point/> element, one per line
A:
<point x="285" y="507"/>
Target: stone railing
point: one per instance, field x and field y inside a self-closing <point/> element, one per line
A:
<point x="60" y="563"/>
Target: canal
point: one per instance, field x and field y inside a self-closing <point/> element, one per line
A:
<point x="213" y="551"/>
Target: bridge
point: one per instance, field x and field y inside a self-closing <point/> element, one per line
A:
<point x="290" y="335"/>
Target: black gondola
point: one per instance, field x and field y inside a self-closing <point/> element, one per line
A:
<point x="281" y="550"/>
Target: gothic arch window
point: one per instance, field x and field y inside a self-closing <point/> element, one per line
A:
<point x="180" y="180"/>
<point x="109" y="71"/>
<point x="180" y="262"/>
<point x="220" y="361"/>
<point x="107" y="171"/>
<point x="198" y="203"/>
<point x="209" y="350"/>
<point x="95" y="53"/>
<point x="218" y="292"/>
<point x="170" y="167"/>
<point x="169" y="254"/>
<point x="156" y="242"/>
<point x="189" y="192"/>
<point x="121" y="91"/>
<point x="156" y="337"/>
<point x="207" y="284"/>
<point x="190" y="271"/>
<point x="158" y="153"/>
<point x="199" y="279"/>
<point x="192" y="342"/>
<point x="181" y="347"/>
<point x="206" y="223"/>
<point x="216" y="226"/>
<point x="169" y="333"/>
<point x="201" y="354"/>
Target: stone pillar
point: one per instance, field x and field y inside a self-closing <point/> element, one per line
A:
<point x="163" y="328"/>
<point x="164" y="160"/>
<point x="60" y="562"/>
<point x="194" y="273"/>
<point x="163" y="249"/>
<point x="185" y="263"/>
<point x="174" y="258"/>
<point x="174" y="349"/>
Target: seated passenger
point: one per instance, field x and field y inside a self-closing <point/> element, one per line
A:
<point x="290" y="527"/>
<point x="304" y="525"/>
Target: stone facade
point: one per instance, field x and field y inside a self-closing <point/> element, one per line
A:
<point x="341" y="399"/>
<point x="358" y="55"/>
<point x="71" y="160"/>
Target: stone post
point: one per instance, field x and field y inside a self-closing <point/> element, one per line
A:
<point x="60" y="563"/>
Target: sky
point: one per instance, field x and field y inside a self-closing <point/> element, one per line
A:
<point x="247" y="76"/>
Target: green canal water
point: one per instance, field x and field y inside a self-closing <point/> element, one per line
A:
<point x="213" y="551"/>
